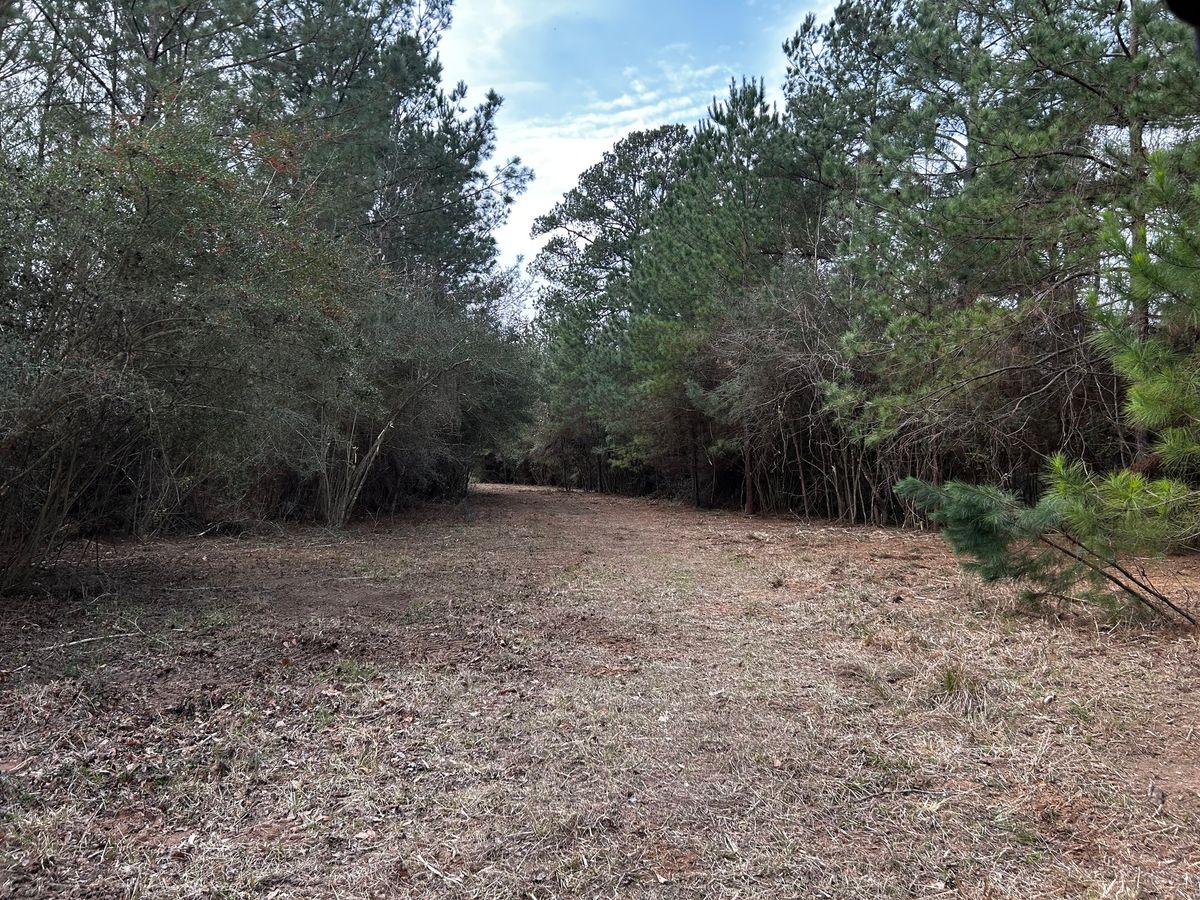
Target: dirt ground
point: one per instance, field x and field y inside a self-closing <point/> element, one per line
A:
<point x="547" y="695"/>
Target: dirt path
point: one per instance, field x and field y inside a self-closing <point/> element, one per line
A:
<point x="539" y="694"/>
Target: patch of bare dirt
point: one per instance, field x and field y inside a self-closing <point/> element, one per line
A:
<point x="543" y="695"/>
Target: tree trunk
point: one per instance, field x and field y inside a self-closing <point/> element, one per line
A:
<point x="803" y="480"/>
<point x="748" y="484"/>
<point x="1137" y="159"/>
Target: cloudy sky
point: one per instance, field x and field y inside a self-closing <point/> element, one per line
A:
<point x="577" y="75"/>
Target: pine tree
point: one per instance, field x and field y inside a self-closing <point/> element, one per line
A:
<point x="1085" y="523"/>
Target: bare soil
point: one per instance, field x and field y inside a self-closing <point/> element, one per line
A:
<point x="547" y="695"/>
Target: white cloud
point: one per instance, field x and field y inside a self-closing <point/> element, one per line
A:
<point x="477" y="47"/>
<point x="774" y="64"/>
<point x="560" y="150"/>
<point x="625" y="101"/>
<point x="483" y="49"/>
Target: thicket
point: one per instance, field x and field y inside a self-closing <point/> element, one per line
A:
<point x="246" y="267"/>
<point x="1077" y="542"/>
<point x="915" y="265"/>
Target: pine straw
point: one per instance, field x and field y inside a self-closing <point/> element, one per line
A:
<point x="551" y="695"/>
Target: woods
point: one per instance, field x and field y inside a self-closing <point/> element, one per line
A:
<point x="250" y="272"/>
<point x="948" y="253"/>
<point x="246" y="267"/>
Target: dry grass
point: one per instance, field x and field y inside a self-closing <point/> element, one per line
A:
<point x="549" y="695"/>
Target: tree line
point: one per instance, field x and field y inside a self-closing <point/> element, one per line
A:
<point x="246" y="267"/>
<point x="247" y="271"/>
<point x="960" y="253"/>
<point x="889" y="275"/>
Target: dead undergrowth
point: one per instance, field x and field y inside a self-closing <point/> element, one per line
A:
<point x="540" y="694"/>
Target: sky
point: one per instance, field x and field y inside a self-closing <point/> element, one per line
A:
<point x="577" y="75"/>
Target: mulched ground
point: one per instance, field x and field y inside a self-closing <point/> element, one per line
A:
<point x="545" y="695"/>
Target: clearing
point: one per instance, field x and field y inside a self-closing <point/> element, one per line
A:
<point x="547" y="695"/>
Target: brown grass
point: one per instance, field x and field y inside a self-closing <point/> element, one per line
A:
<point x="543" y="695"/>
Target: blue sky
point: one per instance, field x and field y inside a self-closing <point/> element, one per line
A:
<point x="577" y="75"/>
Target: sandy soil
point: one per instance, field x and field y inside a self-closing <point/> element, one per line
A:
<point x="547" y="695"/>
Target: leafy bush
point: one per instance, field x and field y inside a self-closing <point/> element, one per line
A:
<point x="252" y="276"/>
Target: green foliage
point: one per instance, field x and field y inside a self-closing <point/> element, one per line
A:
<point x="988" y="525"/>
<point x="1069" y="545"/>
<point x="246" y="268"/>
<point x="1107" y="517"/>
<point x="950" y="255"/>
<point x="1086" y="523"/>
<point x="889" y="275"/>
